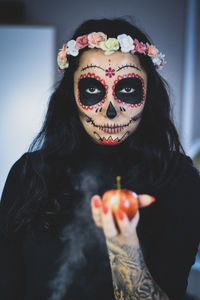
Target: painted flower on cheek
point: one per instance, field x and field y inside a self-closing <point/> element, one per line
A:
<point x="62" y="58"/>
<point x="126" y="42"/>
<point x="152" y="50"/>
<point x="81" y="42"/>
<point x="71" y="49"/>
<point x="110" y="46"/>
<point x="95" y="39"/>
<point x="139" y="46"/>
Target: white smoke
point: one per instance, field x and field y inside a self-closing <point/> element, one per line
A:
<point x="77" y="235"/>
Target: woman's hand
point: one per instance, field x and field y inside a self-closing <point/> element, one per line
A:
<point x="131" y="277"/>
<point x="119" y="226"/>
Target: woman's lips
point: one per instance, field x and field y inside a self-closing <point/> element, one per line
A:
<point x="112" y="128"/>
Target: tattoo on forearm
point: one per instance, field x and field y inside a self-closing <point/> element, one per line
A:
<point x="131" y="277"/>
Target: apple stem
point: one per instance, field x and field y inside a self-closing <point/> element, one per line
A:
<point x="118" y="182"/>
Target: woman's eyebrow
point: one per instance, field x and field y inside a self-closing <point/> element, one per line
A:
<point x="128" y="66"/>
<point x="92" y="66"/>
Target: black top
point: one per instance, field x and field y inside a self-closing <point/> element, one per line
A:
<point x="73" y="263"/>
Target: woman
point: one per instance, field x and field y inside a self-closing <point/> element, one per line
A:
<point x="109" y="116"/>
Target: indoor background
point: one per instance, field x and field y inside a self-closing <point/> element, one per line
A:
<point x="31" y="33"/>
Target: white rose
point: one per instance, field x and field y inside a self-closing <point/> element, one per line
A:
<point x="159" y="61"/>
<point x="156" y="60"/>
<point x="126" y="43"/>
<point x="161" y="56"/>
<point x="71" y="50"/>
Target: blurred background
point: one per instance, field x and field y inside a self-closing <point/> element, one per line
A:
<point x="31" y="33"/>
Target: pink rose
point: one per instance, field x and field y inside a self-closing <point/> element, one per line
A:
<point x="81" y="42"/>
<point x="62" y="58"/>
<point x="139" y="46"/>
<point x="62" y="54"/>
<point x="95" y="38"/>
<point x="152" y="50"/>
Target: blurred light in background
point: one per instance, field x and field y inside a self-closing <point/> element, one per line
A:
<point x="188" y="92"/>
<point x="27" y="76"/>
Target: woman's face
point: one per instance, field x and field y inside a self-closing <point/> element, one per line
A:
<point x="110" y="93"/>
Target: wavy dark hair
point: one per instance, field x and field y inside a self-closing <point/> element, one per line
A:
<point x="62" y="133"/>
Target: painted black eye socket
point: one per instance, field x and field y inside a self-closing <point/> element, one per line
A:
<point x="91" y="91"/>
<point x="129" y="90"/>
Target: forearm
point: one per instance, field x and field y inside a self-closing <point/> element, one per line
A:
<point x="131" y="277"/>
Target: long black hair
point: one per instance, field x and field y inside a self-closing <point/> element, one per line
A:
<point x="62" y="133"/>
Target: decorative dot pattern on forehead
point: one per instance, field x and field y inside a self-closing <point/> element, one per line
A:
<point x="92" y="91"/>
<point x="129" y="89"/>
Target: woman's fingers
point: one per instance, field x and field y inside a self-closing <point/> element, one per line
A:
<point x="96" y="210"/>
<point x="103" y="216"/>
<point x="126" y="226"/>
<point x="145" y="200"/>
<point x="108" y="222"/>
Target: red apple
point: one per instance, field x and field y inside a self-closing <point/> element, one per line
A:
<point x="125" y="200"/>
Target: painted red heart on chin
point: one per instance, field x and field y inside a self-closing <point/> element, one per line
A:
<point x="110" y="141"/>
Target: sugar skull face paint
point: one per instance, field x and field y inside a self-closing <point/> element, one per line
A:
<point x="110" y="106"/>
<point x="110" y="72"/>
<point x="91" y="91"/>
<point x="129" y="89"/>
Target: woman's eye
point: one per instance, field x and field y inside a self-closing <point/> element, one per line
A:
<point x="92" y="90"/>
<point x="127" y="90"/>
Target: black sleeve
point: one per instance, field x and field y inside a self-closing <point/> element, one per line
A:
<point x="11" y="258"/>
<point x="175" y="251"/>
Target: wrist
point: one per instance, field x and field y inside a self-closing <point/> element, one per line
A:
<point x="131" y="240"/>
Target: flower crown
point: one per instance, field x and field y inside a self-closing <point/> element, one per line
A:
<point x="99" y="40"/>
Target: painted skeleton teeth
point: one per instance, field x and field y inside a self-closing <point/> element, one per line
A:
<point x="112" y="128"/>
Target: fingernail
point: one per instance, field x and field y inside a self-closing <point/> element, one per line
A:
<point x="120" y="215"/>
<point x="153" y="199"/>
<point x="149" y="199"/>
<point x="96" y="202"/>
<point x="105" y="208"/>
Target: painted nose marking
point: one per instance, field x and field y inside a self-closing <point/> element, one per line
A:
<point x="111" y="112"/>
